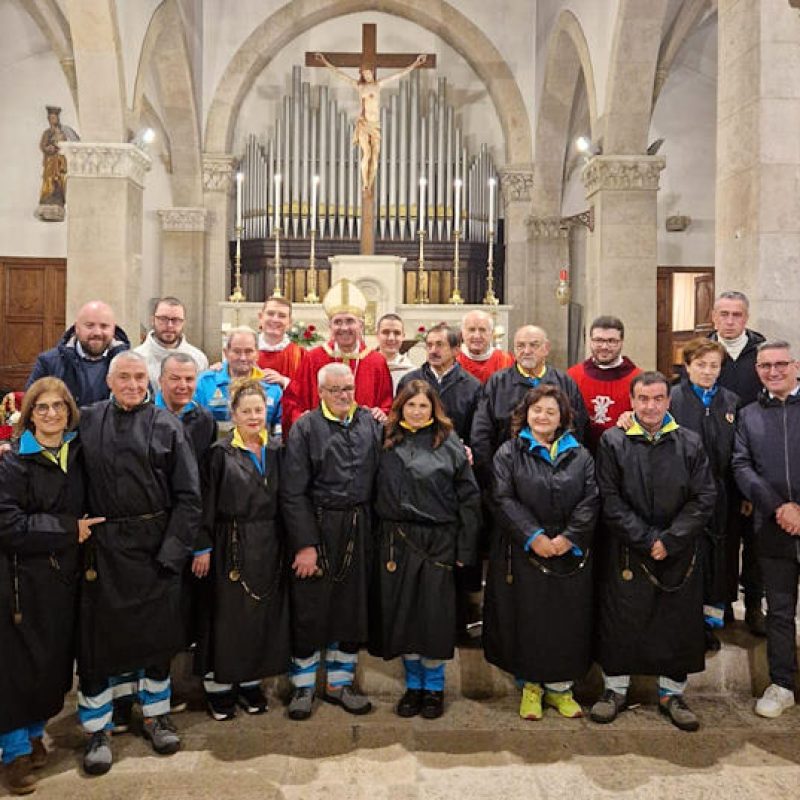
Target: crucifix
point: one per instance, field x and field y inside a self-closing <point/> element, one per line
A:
<point x="367" y="133"/>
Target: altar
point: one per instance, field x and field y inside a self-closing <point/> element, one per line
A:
<point x="380" y="278"/>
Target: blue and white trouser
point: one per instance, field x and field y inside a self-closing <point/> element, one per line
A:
<point x="96" y="695"/>
<point x="424" y="673"/>
<point x="213" y="687"/>
<point x="340" y="665"/>
<point x="17" y="743"/>
<point x="666" y="686"/>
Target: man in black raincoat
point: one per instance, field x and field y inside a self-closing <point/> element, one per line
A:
<point x="326" y="490"/>
<point x="658" y="494"/>
<point x="143" y="478"/>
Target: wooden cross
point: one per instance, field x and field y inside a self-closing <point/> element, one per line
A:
<point x="370" y="59"/>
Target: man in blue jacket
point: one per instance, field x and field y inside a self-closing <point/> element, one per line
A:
<point x="766" y="466"/>
<point x="82" y="356"/>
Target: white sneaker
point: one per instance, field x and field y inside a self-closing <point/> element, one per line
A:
<point x="774" y="701"/>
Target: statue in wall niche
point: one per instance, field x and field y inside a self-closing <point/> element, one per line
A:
<point x="367" y="134"/>
<point x="53" y="194"/>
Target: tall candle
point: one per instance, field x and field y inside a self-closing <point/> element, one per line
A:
<point x="278" y="201"/>
<point x="239" y="180"/>
<point x="457" y="216"/>
<point x="314" y="186"/>
<point x="492" y="184"/>
<point x="421" y="216"/>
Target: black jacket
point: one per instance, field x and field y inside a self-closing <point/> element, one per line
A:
<point x="501" y="395"/>
<point x="143" y="477"/>
<point x="740" y="375"/>
<point x="716" y="426"/>
<point x="459" y="392"/>
<point x="39" y="510"/>
<point x="766" y="466"/>
<point x="200" y="428"/>
<point x="63" y="362"/>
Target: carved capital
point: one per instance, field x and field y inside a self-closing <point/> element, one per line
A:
<point x="547" y="228"/>
<point x="219" y="170"/>
<point x="622" y="173"/>
<point x="516" y="183"/>
<point x="183" y="219"/>
<point x="106" y="160"/>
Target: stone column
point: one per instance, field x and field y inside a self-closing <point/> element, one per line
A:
<point x="182" y="259"/>
<point x="218" y="182"/>
<point x="104" y="228"/>
<point x="550" y="246"/>
<point x="621" y="253"/>
<point x="516" y="184"/>
<point x="758" y="161"/>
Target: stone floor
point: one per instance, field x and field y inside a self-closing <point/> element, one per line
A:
<point x="479" y="749"/>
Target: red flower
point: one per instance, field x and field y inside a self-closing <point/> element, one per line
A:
<point x="307" y="334"/>
<point x="311" y="328"/>
<point x="421" y="329"/>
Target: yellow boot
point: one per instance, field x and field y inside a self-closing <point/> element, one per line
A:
<point x="564" y="703"/>
<point x="530" y="706"/>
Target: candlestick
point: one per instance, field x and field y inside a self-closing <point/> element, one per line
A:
<point x="277" y="290"/>
<point x="455" y="296"/>
<point x="422" y="278"/>
<point x="239" y="180"/>
<point x="492" y="185"/>
<point x="278" y="200"/>
<point x="314" y="186"/>
<point x="311" y="294"/>
<point x="490" y="298"/>
<point x="238" y="294"/>
<point x="457" y="184"/>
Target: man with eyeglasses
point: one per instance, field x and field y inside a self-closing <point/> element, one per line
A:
<point x="326" y="489"/>
<point x="82" y="356"/>
<point x="604" y="379"/>
<point x="766" y="466"/>
<point x="730" y="315"/>
<point x="166" y="337"/>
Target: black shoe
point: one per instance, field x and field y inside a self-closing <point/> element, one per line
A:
<point x="756" y="620"/>
<point x="432" y="704"/>
<point x="252" y="699"/>
<point x="221" y="705"/>
<point x="713" y="644"/>
<point x="410" y="703"/>
<point x="121" y="716"/>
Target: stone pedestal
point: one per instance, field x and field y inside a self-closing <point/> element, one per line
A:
<point x="182" y="257"/>
<point x="758" y="161"/>
<point x="218" y="181"/>
<point x="621" y="252"/>
<point x="104" y="228"/>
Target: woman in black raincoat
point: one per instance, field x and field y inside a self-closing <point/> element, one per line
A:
<point x="241" y="552"/>
<point x="428" y="508"/>
<point x="538" y="614"/>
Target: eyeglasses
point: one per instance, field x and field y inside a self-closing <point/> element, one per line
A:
<point x="339" y="389"/>
<point x="609" y="342"/>
<point x="42" y="409"/>
<point x="169" y="320"/>
<point x="778" y="366"/>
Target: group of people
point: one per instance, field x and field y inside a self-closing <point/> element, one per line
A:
<point x="289" y="506"/>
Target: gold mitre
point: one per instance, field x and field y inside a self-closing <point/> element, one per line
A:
<point x="344" y="297"/>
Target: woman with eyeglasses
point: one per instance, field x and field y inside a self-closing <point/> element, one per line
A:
<point x="41" y="502"/>
<point x="240" y="554"/>
<point x="537" y="620"/>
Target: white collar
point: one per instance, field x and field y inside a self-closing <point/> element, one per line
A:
<point x="482" y="357"/>
<point x="264" y="345"/>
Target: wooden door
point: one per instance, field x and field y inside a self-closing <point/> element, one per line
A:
<point x="703" y="303"/>
<point x="32" y="314"/>
<point x="664" y="322"/>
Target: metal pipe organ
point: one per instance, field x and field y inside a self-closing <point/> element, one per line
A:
<point x="420" y="137"/>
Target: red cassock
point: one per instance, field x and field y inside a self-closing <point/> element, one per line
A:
<point x="286" y="361"/>
<point x="372" y="379"/>
<point x="483" y="370"/>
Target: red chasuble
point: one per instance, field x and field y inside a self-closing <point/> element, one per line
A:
<point x="372" y="378"/>
<point x="286" y="361"/>
<point x="483" y="370"/>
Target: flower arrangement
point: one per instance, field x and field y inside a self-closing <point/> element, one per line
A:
<point x="420" y="334"/>
<point x="304" y="335"/>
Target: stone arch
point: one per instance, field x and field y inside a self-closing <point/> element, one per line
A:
<point x="438" y="16"/>
<point x="166" y="51"/>
<point x="98" y="67"/>
<point x="568" y="59"/>
<point x="631" y="75"/>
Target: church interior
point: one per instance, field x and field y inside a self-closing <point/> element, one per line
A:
<point x="548" y="161"/>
